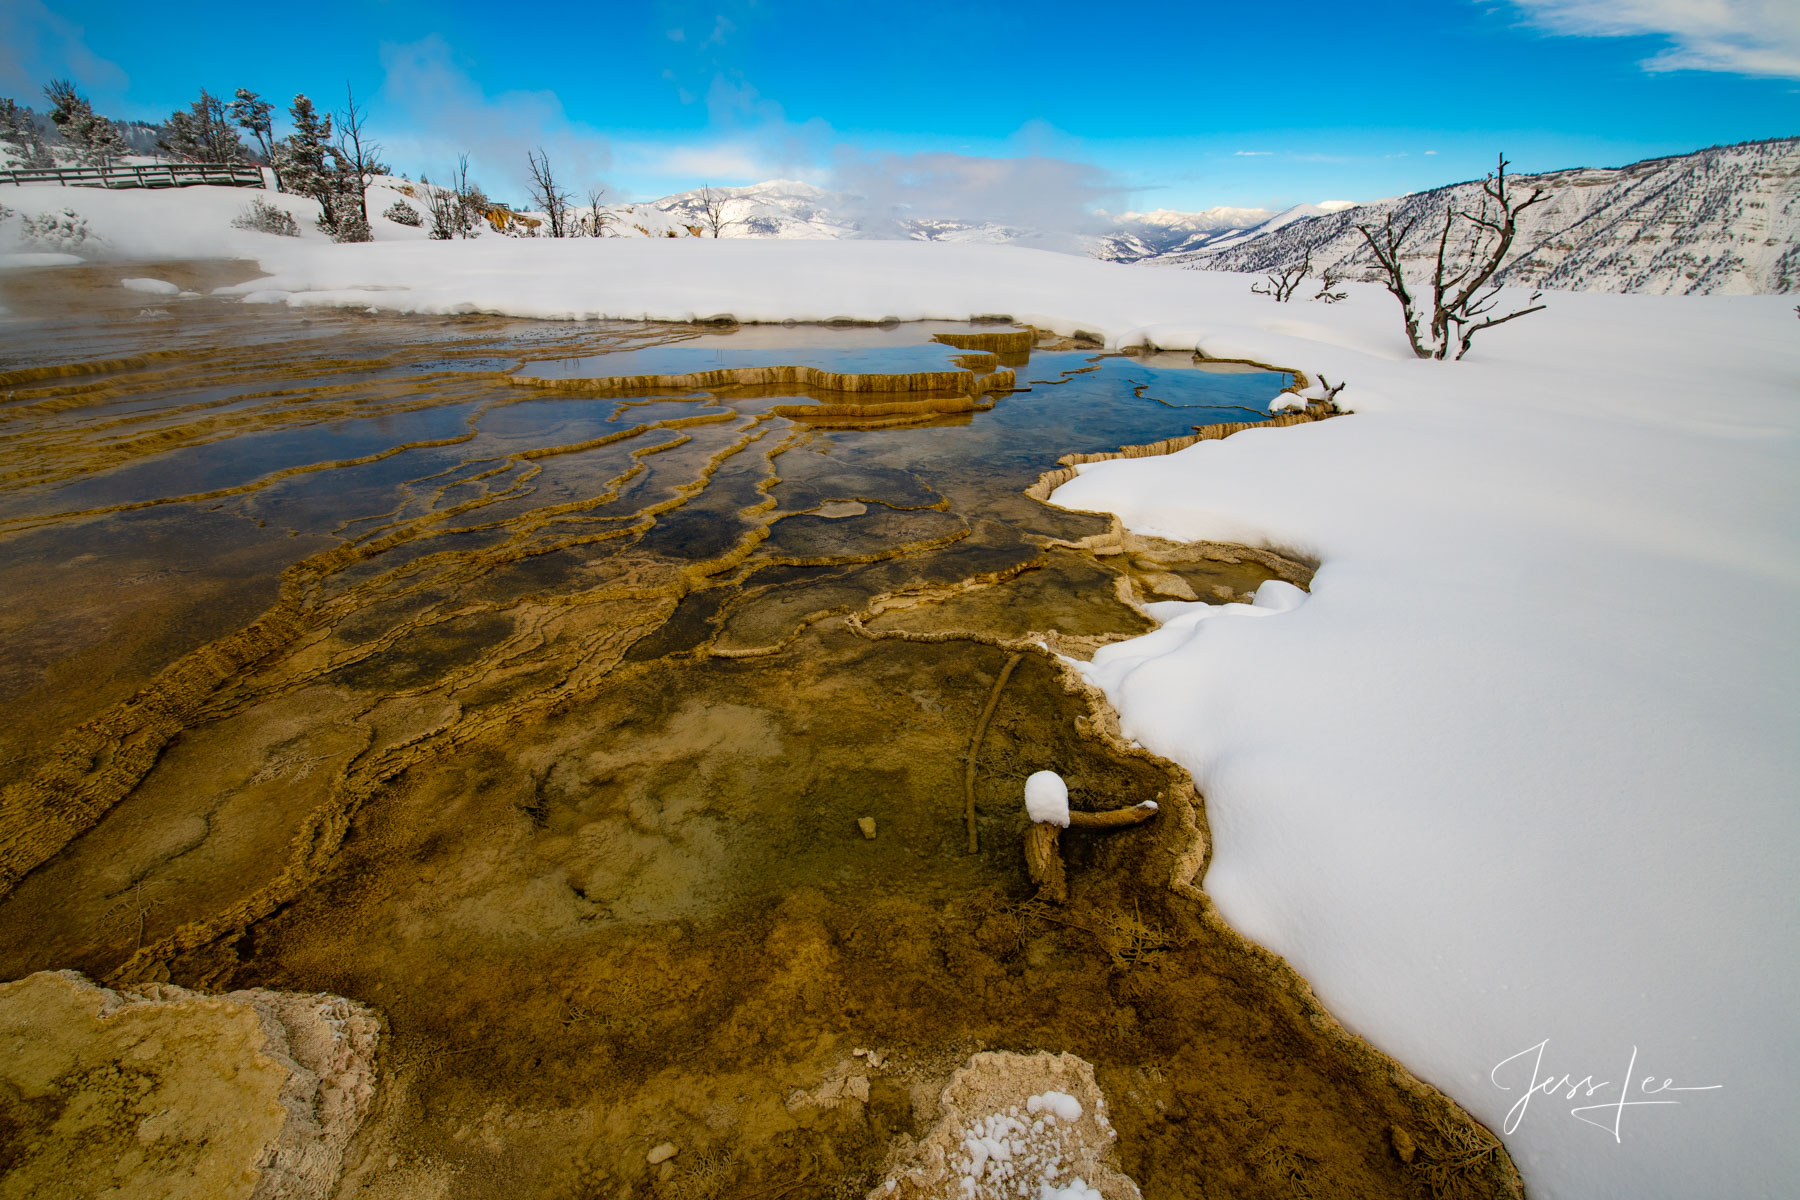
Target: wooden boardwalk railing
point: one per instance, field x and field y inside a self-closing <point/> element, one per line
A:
<point x="159" y="175"/>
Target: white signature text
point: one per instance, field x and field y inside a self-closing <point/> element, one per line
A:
<point x="1610" y="1113"/>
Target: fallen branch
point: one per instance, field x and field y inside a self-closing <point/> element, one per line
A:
<point x="975" y="748"/>
<point x="1047" y="803"/>
<point x="1115" y="818"/>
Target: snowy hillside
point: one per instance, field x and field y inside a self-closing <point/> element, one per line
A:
<point x="1724" y="220"/>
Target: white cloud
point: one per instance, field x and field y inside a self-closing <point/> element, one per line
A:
<point x="727" y="162"/>
<point x="1252" y="153"/>
<point x="1742" y="37"/>
<point x="1031" y="191"/>
<point x="430" y="110"/>
<point x="36" y="46"/>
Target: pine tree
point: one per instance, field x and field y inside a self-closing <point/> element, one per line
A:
<point x="19" y="131"/>
<point x="203" y="134"/>
<point x="252" y="113"/>
<point x="308" y="164"/>
<point x="348" y="223"/>
<point x="92" y="136"/>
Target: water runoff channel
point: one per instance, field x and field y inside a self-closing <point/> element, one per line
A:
<point x="528" y="681"/>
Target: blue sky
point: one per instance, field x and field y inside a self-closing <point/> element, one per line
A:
<point x="1014" y="108"/>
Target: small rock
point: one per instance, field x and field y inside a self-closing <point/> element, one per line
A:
<point x="666" y="1172"/>
<point x="1165" y="583"/>
<point x="867" y="825"/>
<point x="662" y="1153"/>
<point x="1403" y="1143"/>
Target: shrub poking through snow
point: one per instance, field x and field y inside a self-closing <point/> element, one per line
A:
<point x="402" y="213"/>
<point x="264" y="217"/>
<point x="63" y="232"/>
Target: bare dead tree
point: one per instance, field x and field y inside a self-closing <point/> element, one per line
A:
<point x="358" y="154"/>
<point x="1285" y="281"/>
<point x="458" y="207"/>
<point x="473" y="202"/>
<point x="596" y="221"/>
<point x="1463" y="292"/>
<point x="1330" y="285"/>
<point x="448" y="217"/>
<point x="712" y="215"/>
<point x="547" y="194"/>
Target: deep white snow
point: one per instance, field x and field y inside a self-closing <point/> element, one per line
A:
<point x="1521" y="769"/>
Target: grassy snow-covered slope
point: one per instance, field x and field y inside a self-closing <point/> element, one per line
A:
<point x="190" y="222"/>
<point x="1724" y="220"/>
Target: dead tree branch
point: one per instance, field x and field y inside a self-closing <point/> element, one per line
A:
<point x="1330" y="285"/>
<point x="548" y="194"/>
<point x="1463" y="290"/>
<point x="597" y="219"/>
<point x="1284" y="282"/>
<point x="712" y="215"/>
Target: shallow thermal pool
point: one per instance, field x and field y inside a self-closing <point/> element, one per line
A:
<point x="421" y="661"/>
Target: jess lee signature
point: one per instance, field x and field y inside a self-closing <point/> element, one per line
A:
<point x="1612" y="1111"/>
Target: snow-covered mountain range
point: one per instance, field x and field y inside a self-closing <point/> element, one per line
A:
<point x="1721" y="220"/>
<point x="1164" y="232"/>
<point x="785" y="208"/>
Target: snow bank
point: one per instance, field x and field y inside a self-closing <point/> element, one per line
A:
<point x="1514" y="785"/>
<point x="189" y="222"/>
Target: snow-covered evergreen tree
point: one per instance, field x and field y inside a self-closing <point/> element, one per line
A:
<point x="19" y="133"/>
<point x="92" y="136"/>
<point x="250" y="112"/>
<point x="347" y="223"/>
<point x="203" y="133"/>
<point x="309" y="165"/>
